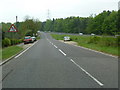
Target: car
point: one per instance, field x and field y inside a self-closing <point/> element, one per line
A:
<point x="92" y="34"/>
<point x="28" y="39"/>
<point x="34" y="39"/>
<point x="80" y="33"/>
<point x="66" y="38"/>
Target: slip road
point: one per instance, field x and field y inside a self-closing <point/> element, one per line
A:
<point x="53" y="64"/>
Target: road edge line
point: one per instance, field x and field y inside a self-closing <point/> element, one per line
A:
<point x="2" y="63"/>
<point x="92" y="50"/>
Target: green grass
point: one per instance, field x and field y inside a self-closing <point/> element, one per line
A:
<point x="0" y="54"/>
<point x="38" y="38"/>
<point x="110" y="50"/>
<point x="10" y="51"/>
<point x="99" y="43"/>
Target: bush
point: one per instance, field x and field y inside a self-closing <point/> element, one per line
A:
<point x="108" y="41"/>
<point x="118" y="40"/>
<point x="94" y="39"/>
<point x="6" y="42"/>
<point x="12" y="41"/>
<point x="20" y="40"/>
<point x="16" y="41"/>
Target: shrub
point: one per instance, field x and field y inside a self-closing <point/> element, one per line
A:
<point x="12" y="41"/>
<point x="118" y="40"/>
<point x="108" y="41"/>
<point x="6" y="42"/>
<point x="16" y="41"/>
<point x="94" y="39"/>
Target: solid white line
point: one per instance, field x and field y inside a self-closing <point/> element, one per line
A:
<point x="87" y="73"/>
<point x="55" y="46"/>
<point x="97" y="51"/>
<point x="62" y="52"/>
<point x="22" y="52"/>
<point x="25" y="50"/>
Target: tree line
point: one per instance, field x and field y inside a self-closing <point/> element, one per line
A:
<point x="105" y="23"/>
<point x="29" y="27"/>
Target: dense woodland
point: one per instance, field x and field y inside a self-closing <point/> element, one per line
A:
<point x="105" y="23"/>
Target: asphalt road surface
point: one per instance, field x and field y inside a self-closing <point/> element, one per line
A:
<point x="53" y="64"/>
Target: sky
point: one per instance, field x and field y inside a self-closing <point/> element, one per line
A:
<point x="38" y="9"/>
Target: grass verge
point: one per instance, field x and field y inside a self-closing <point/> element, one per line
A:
<point x="103" y="44"/>
<point x="38" y="38"/>
<point x="0" y="54"/>
<point x="10" y="51"/>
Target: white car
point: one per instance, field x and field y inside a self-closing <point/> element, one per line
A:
<point x="33" y="39"/>
<point x="92" y="34"/>
<point x="66" y="38"/>
<point x="80" y="33"/>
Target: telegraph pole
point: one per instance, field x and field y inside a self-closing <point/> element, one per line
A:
<point x="48" y="14"/>
<point x="16" y="20"/>
<point x="16" y="34"/>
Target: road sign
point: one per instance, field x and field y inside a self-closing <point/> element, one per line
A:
<point x="12" y="28"/>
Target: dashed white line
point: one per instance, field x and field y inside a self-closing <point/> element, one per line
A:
<point x="55" y="46"/>
<point x="62" y="52"/>
<point x="52" y="43"/>
<point x="49" y="41"/>
<point x="87" y="73"/>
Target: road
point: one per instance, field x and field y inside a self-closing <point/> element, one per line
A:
<point x="53" y="64"/>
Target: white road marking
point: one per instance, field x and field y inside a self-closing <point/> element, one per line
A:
<point x="49" y="41"/>
<point x="97" y="51"/>
<point x="62" y="52"/>
<point x="87" y="73"/>
<point x="52" y="43"/>
<point x="55" y="46"/>
<point x="25" y="50"/>
<point x="22" y="52"/>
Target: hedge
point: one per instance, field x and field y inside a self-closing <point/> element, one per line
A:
<point x="8" y="42"/>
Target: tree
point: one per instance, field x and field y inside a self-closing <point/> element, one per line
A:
<point x="109" y="25"/>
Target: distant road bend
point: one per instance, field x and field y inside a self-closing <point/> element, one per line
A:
<point x="53" y="64"/>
